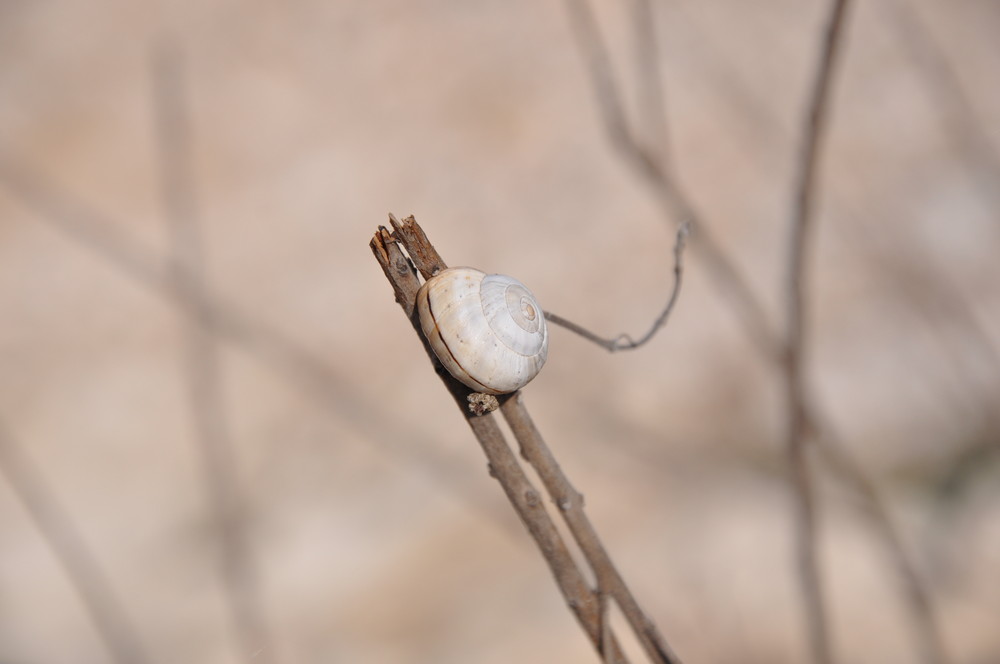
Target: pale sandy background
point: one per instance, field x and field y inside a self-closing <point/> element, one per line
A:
<point x="377" y="534"/>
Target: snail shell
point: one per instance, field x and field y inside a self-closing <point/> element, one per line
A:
<point x="487" y="330"/>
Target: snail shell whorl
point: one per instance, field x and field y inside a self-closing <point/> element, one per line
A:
<point x="487" y="330"/>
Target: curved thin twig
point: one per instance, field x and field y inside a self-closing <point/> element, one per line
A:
<point x="958" y="117"/>
<point x="653" y="167"/>
<point x="625" y="341"/>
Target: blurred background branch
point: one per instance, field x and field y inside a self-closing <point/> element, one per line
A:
<point x="797" y="291"/>
<point x="803" y="416"/>
<point x="201" y="363"/>
<point x="314" y="119"/>
<point x="62" y="534"/>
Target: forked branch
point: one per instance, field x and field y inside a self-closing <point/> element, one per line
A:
<point x="586" y="603"/>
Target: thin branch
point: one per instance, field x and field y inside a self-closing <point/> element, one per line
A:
<point x="605" y="84"/>
<point x="814" y="126"/>
<point x="503" y="465"/>
<point x="652" y="106"/>
<point x="927" y="633"/>
<point x="948" y="304"/>
<point x="202" y="365"/>
<point x="652" y="167"/>
<point x="570" y="504"/>
<point x="624" y="341"/>
<point x="85" y="573"/>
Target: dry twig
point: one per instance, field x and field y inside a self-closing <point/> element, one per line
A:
<point x="624" y="341"/>
<point x="948" y="303"/>
<point x="502" y="463"/>
<point x="587" y="604"/>
<point x="570" y="503"/>
<point x="729" y="280"/>
<point x="653" y="167"/>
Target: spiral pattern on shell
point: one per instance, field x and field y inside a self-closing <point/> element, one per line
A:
<point x="487" y="330"/>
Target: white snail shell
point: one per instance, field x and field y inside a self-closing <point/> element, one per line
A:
<point x="487" y="330"/>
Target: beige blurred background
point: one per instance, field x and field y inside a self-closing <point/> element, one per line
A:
<point x="375" y="533"/>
